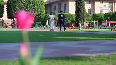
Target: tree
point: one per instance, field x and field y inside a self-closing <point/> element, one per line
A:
<point x="99" y="17"/>
<point x="108" y="16"/>
<point x="113" y="17"/>
<point x="88" y="17"/>
<point x="36" y="6"/>
<point x="1" y="8"/>
<point x="80" y="11"/>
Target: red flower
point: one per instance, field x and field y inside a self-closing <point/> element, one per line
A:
<point x="24" y="19"/>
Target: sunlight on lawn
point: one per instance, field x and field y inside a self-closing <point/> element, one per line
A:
<point x="87" y="38"/>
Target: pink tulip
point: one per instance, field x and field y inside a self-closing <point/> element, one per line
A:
<point x="24" y="19"/>
<point x="23" y="50"/>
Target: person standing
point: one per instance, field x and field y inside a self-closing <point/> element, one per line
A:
<point x="52" y="19"/>
<point x="13" y="24"/>
<point x="2" y="23"/>
<point x="61" y="18"/>
<point x="6" y="25"/>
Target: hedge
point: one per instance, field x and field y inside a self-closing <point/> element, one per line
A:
<point x="88" y="17"/>
<point x="70" y="18"/>
<point x="41" y="19"/>
<point x="99" y="17"/>
<point x="107" y="16"/>
<point x="113" y="17"/>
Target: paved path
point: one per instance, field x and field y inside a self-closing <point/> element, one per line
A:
<point x="62" y="48"/>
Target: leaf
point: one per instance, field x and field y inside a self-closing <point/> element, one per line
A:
<point x="22" y="60"/>
<point x="36" y="58"/>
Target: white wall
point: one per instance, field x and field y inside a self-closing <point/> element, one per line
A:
<point x="62" y="6"/>
<point x="98" y="5"/>
<point x="87" y="6"/>
<point x="70" y="6"/>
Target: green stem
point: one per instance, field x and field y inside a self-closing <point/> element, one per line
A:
<point x="26" y="41"/>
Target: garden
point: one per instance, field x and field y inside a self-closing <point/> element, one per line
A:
<point x="15" y="36"/>
<point x="46" y="36"/>
<point x="20" y="46"/>
<point x="71" y="23"/>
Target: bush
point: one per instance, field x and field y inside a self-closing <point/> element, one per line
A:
<point x="70" y="18"/>
<point x="73" y="18"/>
<point x="107" y="16"/>
<point x="113" y="17"/>
<point x="43" y="18"/>
<point x="88" y="17"/>
<point x="99" y="17"/>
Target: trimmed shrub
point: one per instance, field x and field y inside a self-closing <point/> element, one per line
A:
<point x="88" y="17"/>
<point x="99" y="17"/>
<point x="108" y="16"/>
<point x="70" y="18"/>
<point x="42" y="19"/>
<point x="113" y="17"/>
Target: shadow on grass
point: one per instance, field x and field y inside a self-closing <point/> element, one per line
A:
<point x="105" y="58"/>
<point x="84" y="60"/>
<point x="75" y="58"/>
<point x="46" y="36"/>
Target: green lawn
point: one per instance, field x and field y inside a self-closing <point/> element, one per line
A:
<point x="13" y="36"/>
<point x="77" y="60"/>
<point x="92" y="30"/>
<point x="46" y="36"/>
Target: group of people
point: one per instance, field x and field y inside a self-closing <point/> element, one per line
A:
<point x="52" y="20"/>
<point x="3" y="24"/>
<point x="6" y="24"/>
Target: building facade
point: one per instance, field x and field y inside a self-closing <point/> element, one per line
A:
<point x="91" y="6"/>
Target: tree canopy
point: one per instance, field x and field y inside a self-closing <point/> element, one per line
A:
<point x="37" y="6"/>
<point x="1" y="8"/>
<point x="80" y="11"/>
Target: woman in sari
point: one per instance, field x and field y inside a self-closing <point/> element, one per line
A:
<point x="52" y="21"/>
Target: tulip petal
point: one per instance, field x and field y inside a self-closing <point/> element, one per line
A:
<point x="24" y="19"/>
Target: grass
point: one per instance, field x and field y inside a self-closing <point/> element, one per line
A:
<point x="92" y="30"/>
<point x="99" y="30"/>
<point x="13" y="36"/>
<point x="46" y="36"/>
<point x="76" y="60"/>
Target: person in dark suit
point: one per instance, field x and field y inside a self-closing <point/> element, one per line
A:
<point x="61" y="18"/>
